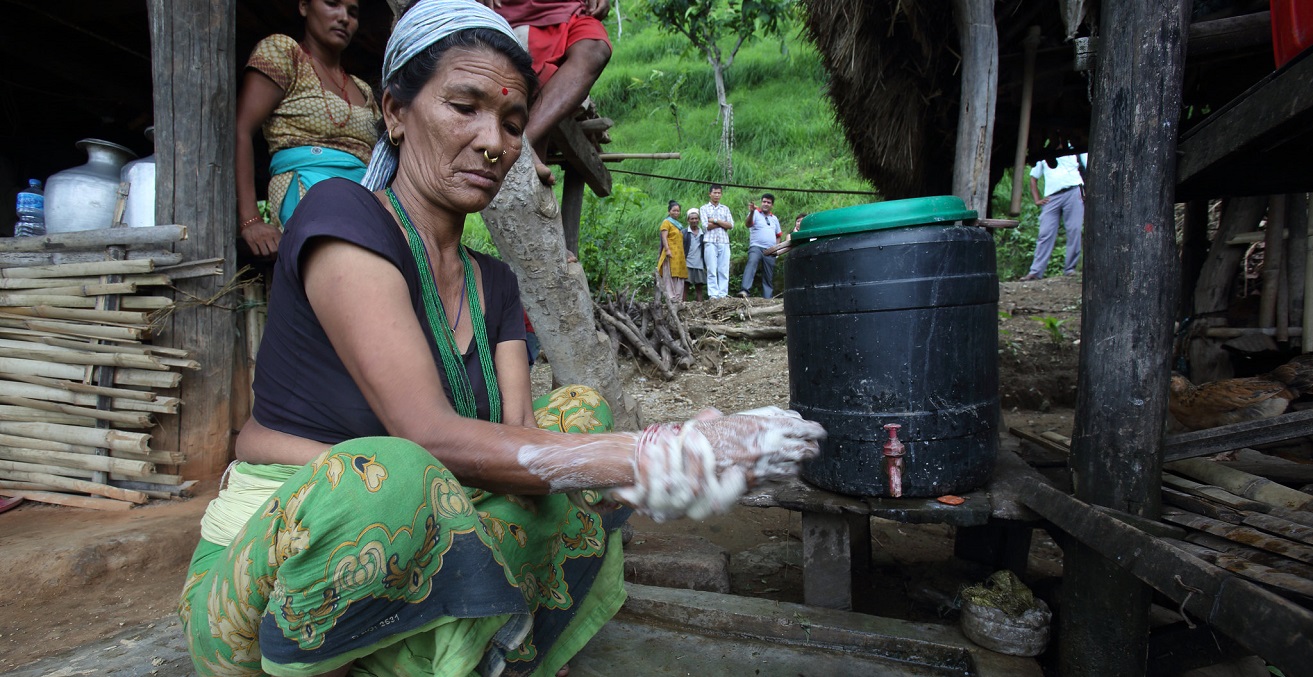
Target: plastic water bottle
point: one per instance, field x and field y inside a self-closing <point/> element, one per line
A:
<point x="31" y="208"/>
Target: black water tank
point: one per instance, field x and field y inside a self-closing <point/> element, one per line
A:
<point x="892" y="315"/>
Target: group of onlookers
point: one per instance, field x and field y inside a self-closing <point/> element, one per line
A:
<point x="698" y="255"/>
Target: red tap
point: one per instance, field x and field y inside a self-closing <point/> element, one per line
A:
<point x="893" y="460"/>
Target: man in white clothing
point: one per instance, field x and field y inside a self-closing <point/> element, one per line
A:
<point x="763" y="233"/>
<point x="717" y="220"/>
<point x="1064" y="198"/>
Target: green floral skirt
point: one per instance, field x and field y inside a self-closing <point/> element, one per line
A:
<point x="375" y="553"/>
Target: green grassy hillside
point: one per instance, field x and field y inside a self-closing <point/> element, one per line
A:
<point x="662" y="98"/>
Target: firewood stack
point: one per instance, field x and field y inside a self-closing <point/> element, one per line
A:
<point x="80" y="387"/>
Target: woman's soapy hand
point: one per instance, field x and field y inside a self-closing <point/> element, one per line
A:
<point x="702" y="466"/>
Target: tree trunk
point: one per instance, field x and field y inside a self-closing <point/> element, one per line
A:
<point x="195" y="112"/>
<point x="726" y="114"/>
<point x="525" y="223"/>
<point x="1126" y="336"/>
<point x="978" y="38"/>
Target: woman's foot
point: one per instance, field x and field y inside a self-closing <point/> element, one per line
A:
<point x="564" y="671"/>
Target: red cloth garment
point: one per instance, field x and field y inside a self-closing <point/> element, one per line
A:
<point x="548" y="44"/>
<point x="539" y="12"/>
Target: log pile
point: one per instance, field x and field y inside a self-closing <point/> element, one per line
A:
<point x="676" y="337"/>
<point x="80" y="389"/>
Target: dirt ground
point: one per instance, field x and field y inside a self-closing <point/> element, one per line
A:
<point x="53" y="606"/>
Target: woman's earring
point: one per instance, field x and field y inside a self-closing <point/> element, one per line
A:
<point x="392" y="140"/>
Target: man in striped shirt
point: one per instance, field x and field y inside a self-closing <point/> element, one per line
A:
<point x="717" y="220"/>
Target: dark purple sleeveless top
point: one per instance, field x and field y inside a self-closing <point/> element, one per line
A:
<point x="301" y="387"/>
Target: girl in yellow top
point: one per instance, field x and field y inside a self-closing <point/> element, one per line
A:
<point x="318" y="120"/>
<point x="671" y="267"/>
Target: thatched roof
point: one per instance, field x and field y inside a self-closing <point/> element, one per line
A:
<point x="889" y="68"/>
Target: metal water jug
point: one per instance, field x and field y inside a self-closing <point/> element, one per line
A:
<point x="140" y="177"/>
<point x="83" y="198"/>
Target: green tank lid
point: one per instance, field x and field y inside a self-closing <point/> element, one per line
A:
<point x="920" y="211"/>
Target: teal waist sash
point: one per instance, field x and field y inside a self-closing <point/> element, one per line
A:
<point x="312" y="164"/>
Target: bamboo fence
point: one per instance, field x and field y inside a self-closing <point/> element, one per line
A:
<point x="80" y="387"/>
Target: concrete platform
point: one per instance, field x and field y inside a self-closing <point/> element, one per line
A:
<point x="660" y="632"/>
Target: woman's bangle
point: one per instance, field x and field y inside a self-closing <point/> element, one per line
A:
<point x="248" y="222"/>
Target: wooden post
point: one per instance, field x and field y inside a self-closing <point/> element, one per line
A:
<point x="1019" y="178"/>
<point x="978" y="38"/>
<point x="1194" y="250"/>
<point x="1273" y="243"/>
<point x="572" y="207"/>
<point x="1208" y="362"/>
<point x="1296" y="245"/>
<point x="195" y="113"/>
<point x="1129" y="301"/>
<point x="525" y="224"/>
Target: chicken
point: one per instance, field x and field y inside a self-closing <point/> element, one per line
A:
<point x="1232" y="400"/>
<point x="1297" y="374"/>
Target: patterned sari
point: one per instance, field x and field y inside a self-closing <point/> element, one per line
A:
<point x="375" y="553"/>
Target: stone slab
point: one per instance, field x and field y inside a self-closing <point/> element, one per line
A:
<point x="686" y="562"/>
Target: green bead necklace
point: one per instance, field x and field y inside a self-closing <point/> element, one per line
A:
<point x="452" y="364"/>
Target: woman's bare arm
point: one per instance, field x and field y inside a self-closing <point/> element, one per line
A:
<point x="512" y="360"/>
<point x="258" y="99"/>
<point x="363" y="304"/>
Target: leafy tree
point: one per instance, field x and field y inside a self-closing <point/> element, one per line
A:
<point x="709" y="23"/>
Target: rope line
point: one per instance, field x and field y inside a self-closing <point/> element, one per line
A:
<point x="740" y="185"/>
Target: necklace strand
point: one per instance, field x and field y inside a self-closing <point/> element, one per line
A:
<point x="452" y="365"/>
<point x="323" y="93"/>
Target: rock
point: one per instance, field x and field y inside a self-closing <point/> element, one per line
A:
<point x="686" y="562"/>
<point x="766" y="559"/>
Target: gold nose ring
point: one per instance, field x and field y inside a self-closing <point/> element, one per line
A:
<point x="492" y="160"/>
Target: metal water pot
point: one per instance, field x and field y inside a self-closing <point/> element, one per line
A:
<point x="139" y="210"/>
<point x="83" y="198"/>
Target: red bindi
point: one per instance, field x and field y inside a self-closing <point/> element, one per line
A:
<point x="505" y="91"/>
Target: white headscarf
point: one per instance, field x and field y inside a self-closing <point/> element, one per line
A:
<point x="424" y="24"/>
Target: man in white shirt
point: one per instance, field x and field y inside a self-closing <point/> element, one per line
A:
<point x="1064" y="199"/>
<point x="763" y="233"/>
<point x="717" y="221"/>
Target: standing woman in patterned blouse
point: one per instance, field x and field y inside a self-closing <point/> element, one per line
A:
<point x="319" y="121"/>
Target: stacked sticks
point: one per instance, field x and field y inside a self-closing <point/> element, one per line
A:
<point x="80" y="388"/>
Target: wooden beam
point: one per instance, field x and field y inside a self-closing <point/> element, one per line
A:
<point x="1233" y="33"/>
<point x="1250" y="127"/>
<point x="580" y="153"/>
<point x="978" y="41"/>
<point x="1263" y="622"/>
<point x="1237" y="436"/>
<point x="1131" y="263"/>
<point x="195" y="114"/>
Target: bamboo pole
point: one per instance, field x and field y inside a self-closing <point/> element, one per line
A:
<point x="68" y="499"/>
<point x="80" y="314"/>
<point x="116" y="440"/>
<point x="74" y="485"/>
<point x="25" y="486"/>
<point x="95" y="289"/>
<point x="135" y="377"/>
<point x="96" y="239"/>
<point x="48" y="445"/>
<point x="159" y="457"/>
<point x="17" y="414"/>
<point x="136" y="349"/>
<point x="9" y="468"/>
<point x="88" y="268"/>
<point x="141" y="280"/>
<point x="154" y="478"/>
<point x="75" y="387"/>
<point x="66" y="300"/>
<point x="84" y="358"/>
<point x="1030" y="44"/>
<point x="14" y="261"/>
<point x="78" y="461"/>
<point x="80" y="330"/>
<point x="1241" y="483"/>
<point x="125" y="419"/>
